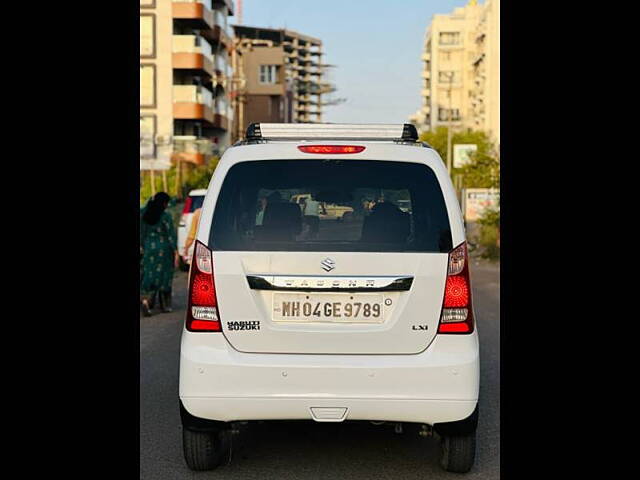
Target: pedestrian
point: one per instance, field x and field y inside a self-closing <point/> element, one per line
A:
<point x="311" y="216"/>
<point x="262" y="206"/>
<point x="158" y="248"/>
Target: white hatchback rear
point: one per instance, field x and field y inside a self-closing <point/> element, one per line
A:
<point x="294" y="314"/>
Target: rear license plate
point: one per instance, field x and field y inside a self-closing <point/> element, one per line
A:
<point x="324" y="307"/>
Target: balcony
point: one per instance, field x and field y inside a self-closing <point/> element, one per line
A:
<point x="426" y="74"/>
<point x="477" y="59"/>
<point x="425" y="92"/>
<point x="195" y="13"/>
<point x="426" y="57"/>
<point x="192" y="102"/>
<point x="221" y="65"/>
<point x="189" y="148"/>
<point x="192" y="52"/>
<point x="218" y="35"/>
<point x="227" y="3"/>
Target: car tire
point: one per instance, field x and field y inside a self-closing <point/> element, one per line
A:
<point x="206" y="450"/>
<point x="458" y="452"/>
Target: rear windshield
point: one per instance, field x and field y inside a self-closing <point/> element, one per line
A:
<point x="196" y="202"/>
<point x="331" y="205"/>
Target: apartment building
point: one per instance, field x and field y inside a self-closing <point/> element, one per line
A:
<point x="484" y="96"/>
<point x="184" y="78"/>
<point x="461" y="70"/>
<point x="156" y="82"/>
<point x="282" y="76"/>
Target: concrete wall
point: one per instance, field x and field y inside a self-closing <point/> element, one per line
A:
<point x="264" y="108"/>
<point x="252" y="59"/>
<point x="162" y="60"/>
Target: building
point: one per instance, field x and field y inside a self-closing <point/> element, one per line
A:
<point x="281" y="74"/>
<point x="185" y="112"/>
<point x="484" y="113"/>
<point x="461" y="70"/>
<point x="156" y="80"/>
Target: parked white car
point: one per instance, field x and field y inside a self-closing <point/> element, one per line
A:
<point x="330" y="210"/>
<point x="192" y="203"/>
<point x="370" y="319"/>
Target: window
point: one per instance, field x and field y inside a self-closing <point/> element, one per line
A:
<point x="196" y="203"/>
<point x="148" y="86"/>
<point x="148" y="127"/>
<point x="268" y="74"/>
<point x="331" y="205"/>
<point x="449" y="38"/>
<point x="446" y="76"/>
<point x="147" y="35"/>
<point x="147" y="3"/>
<point x="443" y="114"/>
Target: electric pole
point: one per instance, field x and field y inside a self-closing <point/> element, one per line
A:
<point x="450" y="124"/>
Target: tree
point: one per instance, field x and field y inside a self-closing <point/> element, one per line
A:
<point x="195" y="177"/>
<point x="483" y="170"/>
<point x="200" y="176"/>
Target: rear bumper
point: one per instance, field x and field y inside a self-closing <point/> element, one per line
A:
<point x="438" y="385"/>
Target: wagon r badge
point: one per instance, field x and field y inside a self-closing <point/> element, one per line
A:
<point x="328" y="264"/>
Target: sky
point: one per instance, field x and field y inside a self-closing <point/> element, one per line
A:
<point x="375" y="45"/>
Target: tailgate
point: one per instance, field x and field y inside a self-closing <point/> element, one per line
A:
<point x="368" y="304"/>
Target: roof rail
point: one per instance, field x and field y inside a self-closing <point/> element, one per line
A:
<point x="333" y="131"/>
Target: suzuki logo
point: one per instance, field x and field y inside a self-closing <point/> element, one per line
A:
<point x="328" y="264"/>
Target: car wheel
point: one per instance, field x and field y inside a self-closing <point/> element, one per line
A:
<point x="458" y="452"/>
<point x="206" y="450"/>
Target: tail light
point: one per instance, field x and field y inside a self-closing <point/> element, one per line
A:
<point x="202" y="311"/>
<point x="187" y="205"/>
<point x="457" y="312"/>
<point x="331" y="148"/>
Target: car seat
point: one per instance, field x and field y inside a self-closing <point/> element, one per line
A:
<point x="282" y="222"/>
<point x="386" y="224"/>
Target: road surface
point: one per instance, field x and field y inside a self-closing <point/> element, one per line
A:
<point x="308" y="450"/>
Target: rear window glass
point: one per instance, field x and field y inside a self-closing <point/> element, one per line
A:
<point x="331" y="205"/>
<point x="196" y="202"/>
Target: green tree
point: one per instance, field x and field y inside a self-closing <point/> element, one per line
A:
<point x="194" y="177"/>
<point x="200" y="176"/>
<point x="483" y="170"/>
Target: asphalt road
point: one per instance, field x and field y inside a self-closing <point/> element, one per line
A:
<point x="308" y="450"/>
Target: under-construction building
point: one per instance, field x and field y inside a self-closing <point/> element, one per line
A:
<point x="278" y="77"/>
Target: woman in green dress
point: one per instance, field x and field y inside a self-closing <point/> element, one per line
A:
<point x="158" y="247"/>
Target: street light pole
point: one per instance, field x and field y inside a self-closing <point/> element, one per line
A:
<point x="450" y="118"/>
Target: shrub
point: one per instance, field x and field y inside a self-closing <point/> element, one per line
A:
<point x="489" y="236"/>
<point x="194" y="177"/>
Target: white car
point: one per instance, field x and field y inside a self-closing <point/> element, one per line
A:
<point x="192" y="203"/>
<point x="328" y="210"/>
<point x="370" y="319"/>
